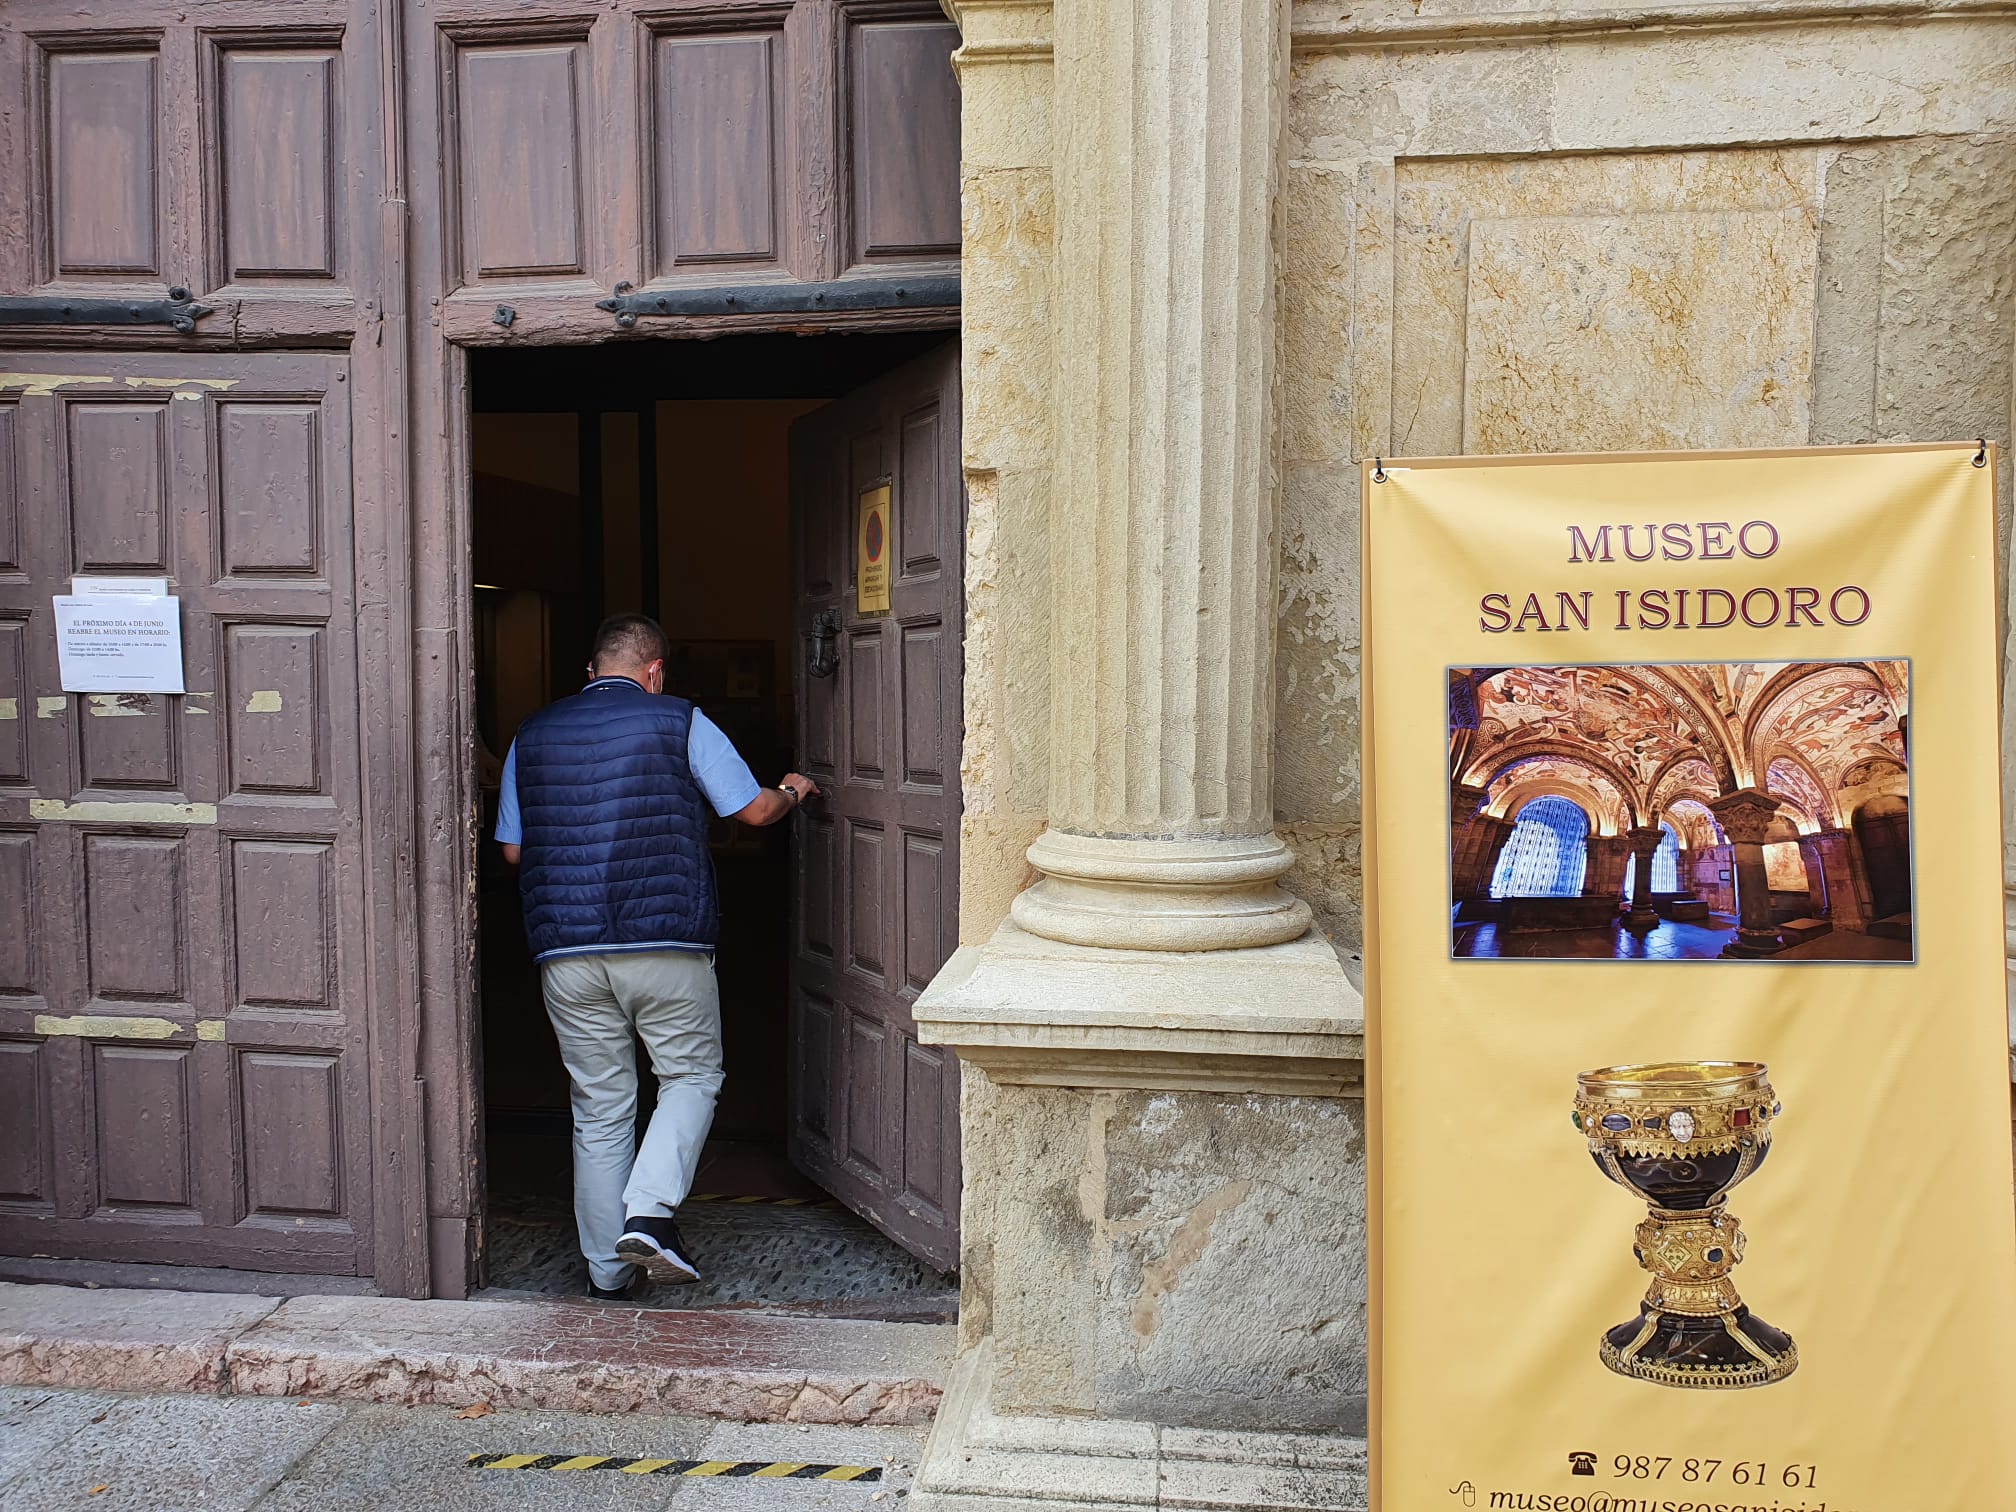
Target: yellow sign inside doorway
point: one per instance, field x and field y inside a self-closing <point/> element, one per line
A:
<point x="1683" y="849"/>
<point x="874" y="540"/>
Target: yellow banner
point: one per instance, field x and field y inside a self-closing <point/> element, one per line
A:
<point x="1684" y="851"/>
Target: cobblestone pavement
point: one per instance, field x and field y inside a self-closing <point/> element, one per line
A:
<point x="114" y="1452"/>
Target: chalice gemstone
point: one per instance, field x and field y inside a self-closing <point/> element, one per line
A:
<point x="1681" y="1125"/>
<point x="1616" y="1123"/>
<point x="1740" y="1118"/>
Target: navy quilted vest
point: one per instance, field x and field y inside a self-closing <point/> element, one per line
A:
<point x="615" y="828"/>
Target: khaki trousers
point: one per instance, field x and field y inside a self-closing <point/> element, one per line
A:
<point x="599" y="1005"/>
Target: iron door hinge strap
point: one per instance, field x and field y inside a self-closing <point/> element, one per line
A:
<point x="934" y="292"/>
<point x="177" y="310"/>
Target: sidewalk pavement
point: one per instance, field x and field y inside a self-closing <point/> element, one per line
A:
<point x="550" y="1356"/>
<point x="94" y="1451"/>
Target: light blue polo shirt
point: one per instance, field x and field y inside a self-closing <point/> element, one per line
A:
<point x="723" y="775"/>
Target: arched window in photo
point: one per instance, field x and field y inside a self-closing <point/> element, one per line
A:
<point x="1547" y="853"/>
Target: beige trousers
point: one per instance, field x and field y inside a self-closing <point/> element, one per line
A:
<point x="599" y="1005"/>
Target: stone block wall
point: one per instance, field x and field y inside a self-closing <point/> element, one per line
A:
<point x="1217" y="1241"/>
<point x="1530" y="229"/>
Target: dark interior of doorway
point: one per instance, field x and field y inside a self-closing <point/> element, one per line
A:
<point x="653" y="475"/>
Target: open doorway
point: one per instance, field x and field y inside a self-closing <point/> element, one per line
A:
<point x="706" y="484"/>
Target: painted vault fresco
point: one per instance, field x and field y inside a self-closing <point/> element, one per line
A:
<point x="1727" y="810"/>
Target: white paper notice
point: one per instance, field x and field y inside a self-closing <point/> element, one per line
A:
<point x="123" y="587"/>
<point x="118" y="644"/>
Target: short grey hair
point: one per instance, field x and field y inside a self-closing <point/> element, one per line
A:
<point x="629" y="640"/>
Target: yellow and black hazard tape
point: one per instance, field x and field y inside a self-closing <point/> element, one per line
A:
<point x="752" y="1469"/>
<point x="811" y="1202"/>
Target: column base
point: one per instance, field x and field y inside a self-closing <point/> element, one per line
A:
<point x="1749" y="945"/>
<point x="978" y="1460"/>
<point x="1151" y="894"/>
<point x="1642" y="923"/>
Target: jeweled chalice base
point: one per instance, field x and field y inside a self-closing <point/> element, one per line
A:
<point x="1700" y="1353"/>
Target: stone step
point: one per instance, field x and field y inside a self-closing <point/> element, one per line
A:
<point x="561" y="1356"/>
<point x="1896" y="927"/>
<point x="1798" y="931"/>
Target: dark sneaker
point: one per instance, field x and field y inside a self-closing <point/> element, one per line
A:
<point x="621" y="1293"/>
<point x="654" y="1243"/>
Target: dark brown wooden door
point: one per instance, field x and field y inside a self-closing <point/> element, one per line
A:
<point x="1883" y="828"/>
<point x="874" y="1114"/>
<point x="182" y="1032"/>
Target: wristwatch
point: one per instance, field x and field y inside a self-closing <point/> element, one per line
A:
<point x="790" y="792"/>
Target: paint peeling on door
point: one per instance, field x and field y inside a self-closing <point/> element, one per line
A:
<point x="122" y="813"/>
<point x="263" y="701"/>
<point x="120" y="705"/>
<point x="108" y="1026"/>
<point x="36" y="385"/>
<point x="182" y="383"/>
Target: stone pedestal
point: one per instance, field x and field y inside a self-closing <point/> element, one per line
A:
<point x="1162" y="1249"/>
<point x="1644" y="843"/>
<point x="1745" y="816"/>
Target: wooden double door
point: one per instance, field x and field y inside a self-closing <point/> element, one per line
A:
<point x="237" y="984"/>
<point x="874" y="1114"/>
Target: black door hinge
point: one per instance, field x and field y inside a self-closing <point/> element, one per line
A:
<point x="177" y="310"/>
<point x="939" y="291"/>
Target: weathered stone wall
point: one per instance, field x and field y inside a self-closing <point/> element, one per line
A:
<point x="1509" y="226"/>
<point x="1216" y="1241"/>
<point x="1553" y="235"/>
<point x="1007" y="228"/>
<point x="1504" y="225"/>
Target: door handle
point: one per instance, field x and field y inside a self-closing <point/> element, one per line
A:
<point x="823" y="660"/>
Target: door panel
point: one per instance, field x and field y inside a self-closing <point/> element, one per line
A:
<point x="181" y="1011"/>
<point x="874" y="1115"/>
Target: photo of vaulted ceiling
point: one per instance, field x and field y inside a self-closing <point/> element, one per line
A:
<point x="1642" y="744"/>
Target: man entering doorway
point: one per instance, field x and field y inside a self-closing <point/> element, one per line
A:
<point x="601" y="805"/>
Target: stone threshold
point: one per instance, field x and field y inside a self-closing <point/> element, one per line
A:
<point x="553" y="1355"/>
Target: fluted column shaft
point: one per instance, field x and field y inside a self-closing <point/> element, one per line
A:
<point x="1165" y="479"/>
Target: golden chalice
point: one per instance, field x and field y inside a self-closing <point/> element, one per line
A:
<point x="1682" y="1134"/>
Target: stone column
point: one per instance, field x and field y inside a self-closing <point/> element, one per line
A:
<point x="1745" y="816"/>
<point x="1847" y="889"/>
<point x="1164" y="481"/>
<point x="1162" y="1219"/>
<point x="1816" y="875"/>
<point x="1465" y="803"/>
<point x="1604" y="874"/>
<point x="1478" y="848"/>
<point x="1643" y="842"/>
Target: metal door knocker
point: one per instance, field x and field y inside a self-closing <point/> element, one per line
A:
<point x="824" y="658"/>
